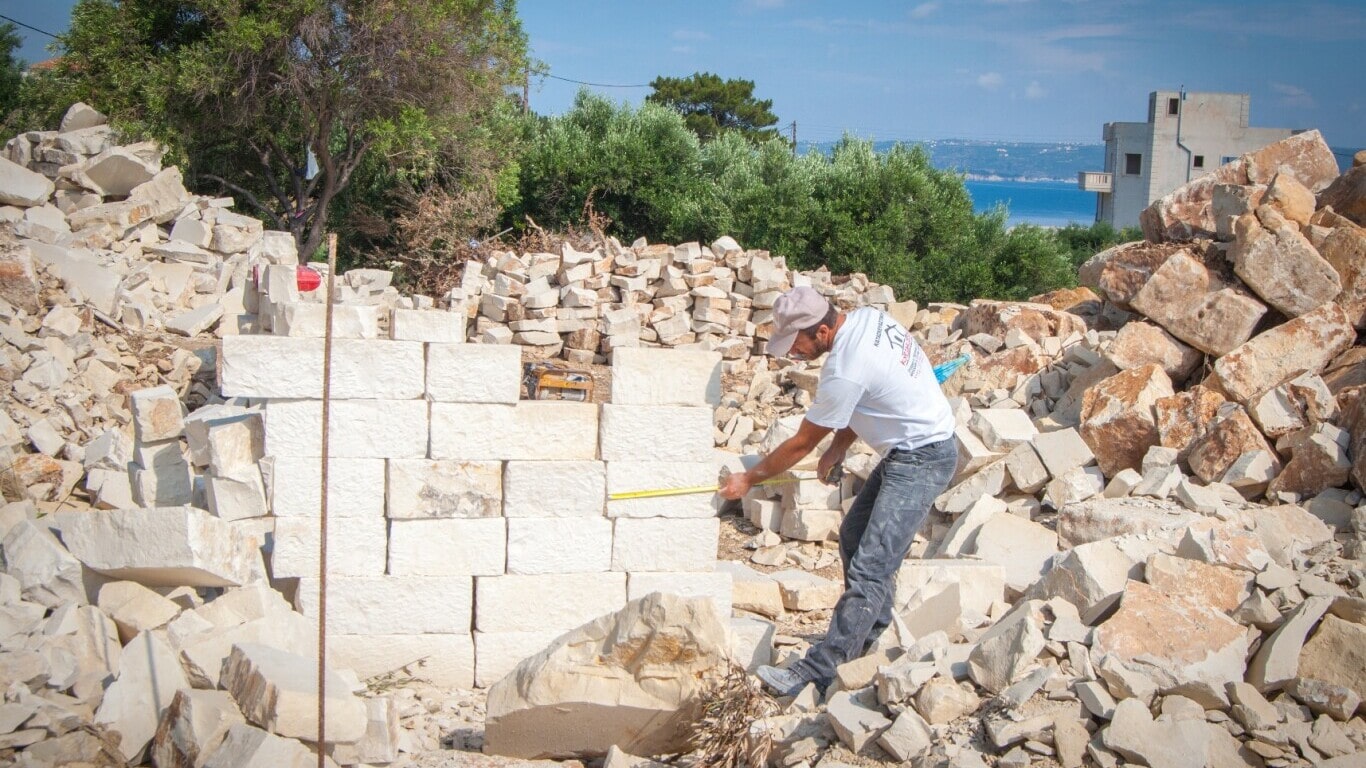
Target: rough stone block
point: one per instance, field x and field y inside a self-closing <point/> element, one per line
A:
<point x="148" y="678"/>
<point x="420" y="488"/>
<point x="283" y="367"/>
<point x="377" y="605"/>
<point x="1003" y="428"/>
<point x="1062" y="450"/>
<point x="244" y="746"/>
<point x="474" y="373"/>
<point x="528" y="431"/>
<point x="359" y="429"/>
<point x="427" y="325"/>
<point x="627" y="476"/>
<point x="713" y="586"/>
<point x="157" y="414"/>
<point x="21" y="187"/>
<point x="752" y="590"/>
<point x="656" y="433"/>
<point x="646" y="376"/>
<point x="355" y="487"/>
<point x="518" y="603"/>
<point x="306" y="320"/>
<point x="554" y="488"/>
<point x="804" y="591"/>
<point x="1117" y="420"/>
<point x="980" y="584"/>
<point x="1197" y="306"/>
<point x="751" y="642"/>
<point x="558" y="545"/>
<point x="47" y="572"/>
<point x="134" y="608"/>
<point x="355" y="547"/>
<point x="662" y="544"/>
<point x="1023" y="548"/>
<point x="1306" y="343"/>
<point x="445" y="660"/>
<point x="172" y="546"/>
<point x="193" y="727"/>
<point x="498" y="653"/>
<point x="278" y="691"/>
<point x="455" y="547"/>
<point x="235" y="443"/>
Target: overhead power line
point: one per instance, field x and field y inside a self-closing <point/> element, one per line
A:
<point x="595" y="85"/>
<point x="28" y="26"/>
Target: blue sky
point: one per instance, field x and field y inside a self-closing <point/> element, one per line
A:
<point x="1026" y="70"/>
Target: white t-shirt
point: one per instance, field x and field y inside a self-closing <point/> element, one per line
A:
<point x="878" y="381"/>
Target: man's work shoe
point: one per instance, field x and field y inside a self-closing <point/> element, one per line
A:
<point x="783" y="682"/>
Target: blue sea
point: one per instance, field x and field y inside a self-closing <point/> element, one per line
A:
<point x="1045" y="203"/>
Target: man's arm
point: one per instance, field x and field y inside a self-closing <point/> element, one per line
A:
<point x="834" y="455"/>
<point x="780" y="460"/>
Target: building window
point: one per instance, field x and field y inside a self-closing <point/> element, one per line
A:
<point x="1133" y="164"/>
<point x="1199" y="161"/>
<point x="1173" y="105"/>
<point x="1226" y="159"/>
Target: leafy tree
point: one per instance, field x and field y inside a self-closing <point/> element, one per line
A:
<point x="1082" y="243"/>
<point x="711" y="106"/>
<point x="11" y="69"/>
<point x="283" y="101"/>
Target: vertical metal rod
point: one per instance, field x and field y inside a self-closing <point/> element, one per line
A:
<point x="322" y="518"/>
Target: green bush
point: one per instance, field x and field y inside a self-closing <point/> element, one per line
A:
<point x="890" y="215"/>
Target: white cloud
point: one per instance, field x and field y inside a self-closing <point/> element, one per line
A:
<point x="1035" y="91"/>
<point x="690" y="34"/>
<point x="1293" y="95"/>
<point x="681" y="49"/>
<point x="990" y="80"/>
<point x="925" y="10"/>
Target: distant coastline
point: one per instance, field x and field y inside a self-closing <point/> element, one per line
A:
<point x="1017" y="179"/>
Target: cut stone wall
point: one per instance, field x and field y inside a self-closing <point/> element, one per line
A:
<point x="467" y="527"/>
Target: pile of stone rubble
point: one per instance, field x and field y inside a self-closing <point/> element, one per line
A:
<point x="1152" y="552"/>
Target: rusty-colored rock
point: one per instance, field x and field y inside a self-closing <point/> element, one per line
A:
<point x="1082" y="302"/>
<point x="1117" y="420"/>
<point x="1119" y="273"/>
<point x="1305" y="157"/>
<point x="1306" y="343"/>
<point x="1187" y="212"/>
<point x="1346" y="370"/>
<point x="1218" y="586"/>
<point x="1179" y="642"/>
<point x="1232" y="201"/>
<point x="18" y="281"/>
<point x="1282" y="266"/>
<point x="1291" y="198"/>
<point x="1197" y="306"/>
<point x="1231" y="435"/>
<point x="1345" y="250"/>
<point x="1036" y="320"/>
<point x="1185" y="417"/>
<point x="1318" y="462"/>
<point x="1003" y="369"/>
<point x="1139" y="344"/>
<point x="1347" y="195"/>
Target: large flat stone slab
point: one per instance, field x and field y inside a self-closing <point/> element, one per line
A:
<point x="166" y="546"/>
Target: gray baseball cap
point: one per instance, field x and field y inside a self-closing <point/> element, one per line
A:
<point x="794" y="311"/>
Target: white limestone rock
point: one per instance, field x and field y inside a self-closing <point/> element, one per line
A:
<point x="474" y="373"/>
<point x="149" y="676"/>
<point x="554" y="488"/>
<point x="656" y="433"/>
<point x="360" y="429"/>
<point x="448" y="547"/>
<point x="663" y="544"/>
<point x="645" y="376"/>
<point x="163" y="546"/>
<point x="377" y="605"/>
<point x="420" y="488"/>
<point x="528" y="431"/>
<point x="538" y="603"/>
<point x="278" y="691"/>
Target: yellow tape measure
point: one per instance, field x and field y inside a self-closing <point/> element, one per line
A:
<point x="657" y="492"/>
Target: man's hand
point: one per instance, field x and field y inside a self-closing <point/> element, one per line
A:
<point x="829" y="460"/>
<point x="736" y="485"/>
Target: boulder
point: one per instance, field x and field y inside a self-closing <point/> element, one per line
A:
<point x="1139" y="344"/>
<point x="1337" y="654"/>
<point x="246" y="747"/>
<point x="1197" y="305"/>
<point x="1117" y="419"/>
<point x="630" y="679"/>
<point x="1345" y="250"/>
<point x="1282" y="267"/>
<point x="1090" y="574"/>
<point x="856" y="718"/>
<point x="46" y="571"/>
<point x="1184" y="646"/>
<point x="1162" y="743"/>
<point x="115" y="171"/>
<point x="1318" y="461"/>
<point x="18" y="280"/>
<point x="1185" y="417"/>
<point x="278" y="691"/>
<point x="1278" y="659"/>
<point x="1037" y="321"/>
<point x="1305" y="157"/>
<point x="1187" y="212"/>
<point x="149" y="676"/>
<point x="1006" y="651"/>
<point x="1023" y="548"/>
<point x="1306" y="343"/>
<point x="170" y="546"/>
<point x="21" y="187"/>
<point x="1292" y="199"/>
<point x="193" y="727"/>
<point x="1347" y="195"/>
<point x="1218" y="586"/>
<point x="1121" y="271"/>
<point x="1098" y="519"/>
<point x="1230" y="436"/>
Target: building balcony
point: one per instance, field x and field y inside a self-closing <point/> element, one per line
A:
<point x="1096" y="181"/>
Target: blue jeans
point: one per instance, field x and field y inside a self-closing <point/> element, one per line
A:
<point x="875" y="537"/>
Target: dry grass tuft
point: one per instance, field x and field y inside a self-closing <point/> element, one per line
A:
<point x="721" y="737"/>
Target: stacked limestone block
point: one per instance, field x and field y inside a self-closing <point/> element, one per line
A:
<point x="466" y="527"/>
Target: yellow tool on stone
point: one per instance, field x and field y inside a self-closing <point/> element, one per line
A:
<point x="836" y="474"/>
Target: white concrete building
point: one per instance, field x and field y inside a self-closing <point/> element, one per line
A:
<point x="1187" y="135"/>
